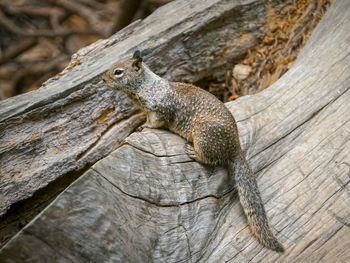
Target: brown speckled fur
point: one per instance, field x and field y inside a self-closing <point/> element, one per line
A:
<point x="204" y="122"/>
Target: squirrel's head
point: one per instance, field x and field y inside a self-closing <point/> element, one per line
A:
<point x="126" y="75"/>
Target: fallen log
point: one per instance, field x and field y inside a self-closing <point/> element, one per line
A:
<point x="50" y="136"/>
<point x="147" y="201"/>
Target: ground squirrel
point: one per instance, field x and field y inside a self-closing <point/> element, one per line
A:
<point x="204" y="122"/>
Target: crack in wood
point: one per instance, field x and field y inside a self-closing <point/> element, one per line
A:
<point x="165" y="205"/>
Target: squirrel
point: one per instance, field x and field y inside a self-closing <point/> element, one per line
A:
<point x="204" y="121"/>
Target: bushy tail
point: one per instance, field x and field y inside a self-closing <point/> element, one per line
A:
<point x="253" y="207"/>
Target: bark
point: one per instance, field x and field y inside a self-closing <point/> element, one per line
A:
<point x="148" y="202"/>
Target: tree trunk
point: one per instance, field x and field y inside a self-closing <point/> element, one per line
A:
<point x="147" y="201"/>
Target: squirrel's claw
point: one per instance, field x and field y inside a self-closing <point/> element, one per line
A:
<point x="190" y="151"/>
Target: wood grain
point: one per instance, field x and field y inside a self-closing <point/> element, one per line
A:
<point x="148" y="202"/>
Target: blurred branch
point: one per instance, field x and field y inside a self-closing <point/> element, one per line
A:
<point x="55" y="14"/>
<point x="8" y="24"/>
<point x="90" y="15"/>
<point x="13" y="51"/>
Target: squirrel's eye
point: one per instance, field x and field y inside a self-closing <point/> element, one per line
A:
<point x="119" y="72"/>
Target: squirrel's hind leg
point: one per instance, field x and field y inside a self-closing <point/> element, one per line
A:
<point x="199" y="154"/>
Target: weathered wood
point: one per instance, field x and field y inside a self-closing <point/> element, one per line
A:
<point x="148" y="202"/>
<point x="73" y="121"/>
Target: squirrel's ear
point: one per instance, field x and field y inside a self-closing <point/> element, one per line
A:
<point x="137" y="54"/>
<point x="138" y="60"/>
